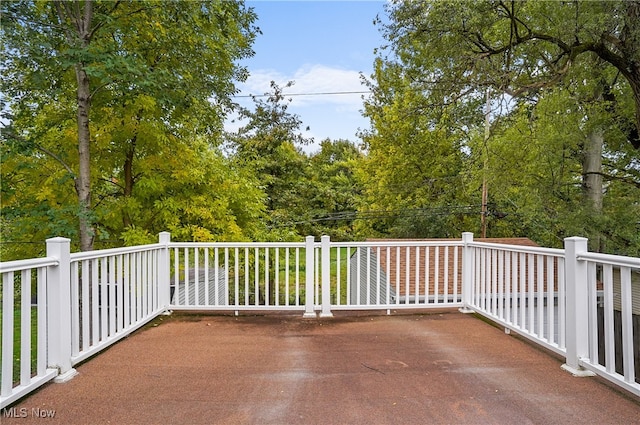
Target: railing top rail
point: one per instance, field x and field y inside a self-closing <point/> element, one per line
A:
<point x="236" y="245"/>
<point x="31" y="263"/>
<point x="615" y="260"/>
<point x="90" y="255"/>
<point x="396" y="243"/>
<point x="554" y="252"/>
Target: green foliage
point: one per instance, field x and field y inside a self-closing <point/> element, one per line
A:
<point x="557" y="74"/>
<point x="332" y="191"/>
<point x="270" y="144"/>
<point x="161" y="76"/>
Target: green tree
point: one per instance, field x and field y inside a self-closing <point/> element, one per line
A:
<point x="332" y="191"/>
<point x="135" y="75"/>
<point x="413" y="174"/>
<point x="580" y="56"/>
<point x="271" y="144"/>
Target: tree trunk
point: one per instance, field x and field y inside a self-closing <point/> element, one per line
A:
<point x="128" y="181"/>
<point x="83" y="182"/>
<point x="592" y="179"/>
<point x="77" y="24"/>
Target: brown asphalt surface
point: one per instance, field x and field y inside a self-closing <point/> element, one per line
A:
<point x="436" y="368"/>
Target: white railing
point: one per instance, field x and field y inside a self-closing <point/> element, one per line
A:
<point x="242" y="276"/>
<point x="612" y="314"/>
<point x="578" y="304"/>
<point x="25" y="324"/>
<point x="522" y="288"/>
<point x="391" y="274"/>
<point x="113" y="292"/>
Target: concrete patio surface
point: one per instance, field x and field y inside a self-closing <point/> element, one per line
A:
<point x="429" y="368"/>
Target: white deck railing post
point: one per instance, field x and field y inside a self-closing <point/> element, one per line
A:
<point x="577" y="306"/>
<point x="164" y="270"/>
<point x="467" y="273"/>
<point x="310" y="261"/>
<point x="59" y="309"/>
<point x="325" y="261"/>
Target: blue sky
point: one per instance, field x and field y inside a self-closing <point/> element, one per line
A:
<point x="323" y="46"/>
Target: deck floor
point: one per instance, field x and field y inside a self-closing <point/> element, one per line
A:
<point x="436" y="368"/>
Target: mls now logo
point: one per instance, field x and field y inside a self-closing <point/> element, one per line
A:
<point x="23" y="412"/>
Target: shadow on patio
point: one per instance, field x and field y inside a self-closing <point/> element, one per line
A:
<point x="427" y="368"/>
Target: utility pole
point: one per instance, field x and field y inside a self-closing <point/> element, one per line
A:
<point x="485" y="189"/>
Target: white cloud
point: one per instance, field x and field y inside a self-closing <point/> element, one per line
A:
<point x="335" y="116"/>
<point x="311" y="79"/>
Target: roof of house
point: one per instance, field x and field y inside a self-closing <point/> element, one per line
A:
<point x="412" y="270"/>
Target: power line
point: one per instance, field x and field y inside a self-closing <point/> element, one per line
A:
<point x="332" y="93"/>
<point x="383" y="214"/>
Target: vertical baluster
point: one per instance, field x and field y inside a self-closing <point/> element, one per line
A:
<point x="25" y="327"/>
<point x="494" y="281"/>
<point x="95" y="299"/>
<point x="338" y="277"/>
<point x="286" y="275"/>
<point x="627" y="325"/>
<point x="75" y="309"/>
<point x="592" y="294"/>
<point x="387" y="268"/>
<point x="378" y="281"/>
<point x="531" y="267"/>
<point x="42" y="321"/>
<point x="146" y="270"/>
<point x="186" y="277"/>
<point x="196" y="276"/>
<point x="446" y="275"/>
<point x="119" y="293"/>
<point x="267" y="289"/>
<point x="515" y="267"/>
<point x="349" y="283"/>
<point x="540" y="303"/>
<point x="128" y="306"/>
<point x="8" y="293"/>
<point x="207" y="281"/>
<point x="297" y="276"/>
<point x="277" y="276"/>
<point x="407" y="271"/>
<point x="257" y="277"/>
<point x="216" y="276"/>
<point x="417" y="276"/>
<point x="358" y="278"/>
<point x="522" y="290"/>
<point x="236" y="277"/>
<point x="436" y="274"/>
<point x="112" y="294"/>
<point x="139" y="286"/>
<point x="550" y="301"/>
<point x="246" y="276"/>
<point x="609" y="331"/>
<point x="456" y="282"/>
<point x="500" y="255"/>
<point x="425" y="275"/>
<point x="103" y="297"/>
<point x="176" y="276"/>
<point x="562" y="306"/>
<point x="508" y="283"/>
<point x="483" y="279"/>
<point x="316" y="274"/>
<point x="225" y="299"/>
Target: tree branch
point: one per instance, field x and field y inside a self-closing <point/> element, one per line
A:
<point x="42" y="149"/>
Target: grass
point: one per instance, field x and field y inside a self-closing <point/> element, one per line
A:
<point x="279" y="273"/>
